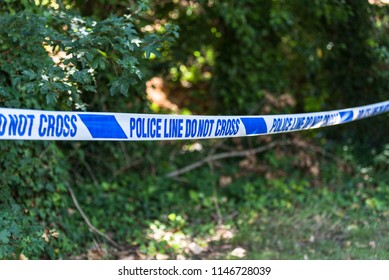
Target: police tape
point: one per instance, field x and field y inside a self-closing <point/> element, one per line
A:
<point x="20" y="124"/>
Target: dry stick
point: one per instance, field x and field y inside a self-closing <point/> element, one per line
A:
<point x="215" y="200"/>
<point x="87" y="221"/>
<point x="212" y="158"/>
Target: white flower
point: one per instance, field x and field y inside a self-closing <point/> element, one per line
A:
<point x="136" y="41"/>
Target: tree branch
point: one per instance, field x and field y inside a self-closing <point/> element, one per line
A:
<point x="232" y="154"/>
<point x="87" y="221"/>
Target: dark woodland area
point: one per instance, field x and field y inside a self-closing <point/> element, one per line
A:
<point x="317" y="194"/>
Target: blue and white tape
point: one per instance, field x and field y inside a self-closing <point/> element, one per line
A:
<point x="20" y="124"/>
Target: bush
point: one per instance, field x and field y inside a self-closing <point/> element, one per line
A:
<point x="54" y="58"/>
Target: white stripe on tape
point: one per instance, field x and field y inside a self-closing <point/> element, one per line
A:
<point x="20" y="124"/>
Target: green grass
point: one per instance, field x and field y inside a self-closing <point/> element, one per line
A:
<point x="317" y="232"/>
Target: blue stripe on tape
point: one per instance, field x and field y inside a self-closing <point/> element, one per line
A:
<point x="254" y="125"/>
<point x="346" y="116"/>
<point x="103" y="126"/>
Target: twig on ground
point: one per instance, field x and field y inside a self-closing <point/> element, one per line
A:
<point x="87" y="221"/>
<point x="232" y="154"/>
<point x="215" y="198"/>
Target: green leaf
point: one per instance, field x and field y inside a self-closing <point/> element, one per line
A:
<point x="124" y="86"/>
<point x="4" y="234"/>
<point x="30" y="74"/>
<point x="115" y="88"/>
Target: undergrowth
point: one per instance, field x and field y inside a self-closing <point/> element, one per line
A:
<point x="285" y="203"/>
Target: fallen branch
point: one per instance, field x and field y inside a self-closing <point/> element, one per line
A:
<point x="87" y="221"/>
<point x="220" y="156"/>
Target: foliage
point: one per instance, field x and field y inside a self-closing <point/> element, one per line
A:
<point x="245" y="57"/>
<point x="327" y="55"/>
<point x="53" y="58"/>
